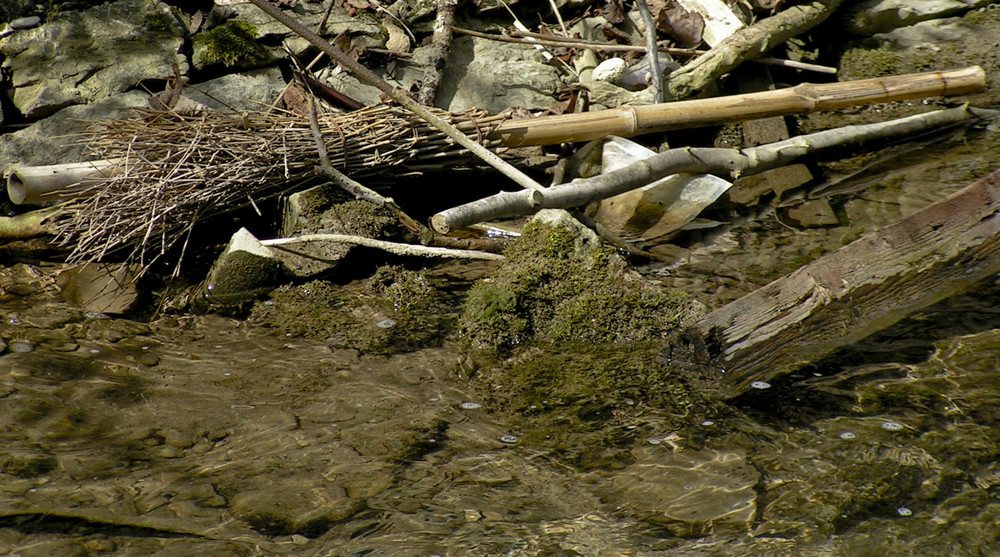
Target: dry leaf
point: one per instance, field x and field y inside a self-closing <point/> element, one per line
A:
<point x="398" y="40"/>
<point x="672" y="19"/>
<point x="296" y="100"/>
<point x="614" y="12"/>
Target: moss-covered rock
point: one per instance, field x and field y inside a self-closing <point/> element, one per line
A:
<point x="231" y="44"/>
<point x="562" y="284"/>
<point x="395" y="310"/>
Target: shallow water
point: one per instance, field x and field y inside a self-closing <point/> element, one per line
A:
<point x="214" y="436"/>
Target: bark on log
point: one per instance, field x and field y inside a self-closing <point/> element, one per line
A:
<point x="855" y="291"/>
<point x="440" y="44"/>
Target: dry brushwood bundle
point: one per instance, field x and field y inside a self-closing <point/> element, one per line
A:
<point x="174" y="171"/>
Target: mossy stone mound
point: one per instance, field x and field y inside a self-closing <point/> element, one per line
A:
<point x="560" y="283"/>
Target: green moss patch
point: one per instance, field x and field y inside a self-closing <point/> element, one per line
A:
<point x="563" y="285"/>
<point x="396" y="310"/>
<point x="232" y="44"/>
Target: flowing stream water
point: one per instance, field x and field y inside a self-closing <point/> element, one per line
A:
<point x="208" y="435"/>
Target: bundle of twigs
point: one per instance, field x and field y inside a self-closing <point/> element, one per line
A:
<point x="175" y="171"/>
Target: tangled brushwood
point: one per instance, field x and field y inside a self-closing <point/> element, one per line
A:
<point x="174" y="171"/>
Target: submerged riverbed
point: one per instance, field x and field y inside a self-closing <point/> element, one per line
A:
<point x="203" y="434"/>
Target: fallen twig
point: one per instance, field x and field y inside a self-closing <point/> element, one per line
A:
<point x="733" y="162"/>
<point x="391" y="247"/>
<point x="566" y="42"/>
<point x="746" y="44"/>
<point x="651" y="51"/>
<point x="351" y="186"/>
<point x="398" y="95"/>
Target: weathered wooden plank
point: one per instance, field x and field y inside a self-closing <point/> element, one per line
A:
<point x="855" y="291"/>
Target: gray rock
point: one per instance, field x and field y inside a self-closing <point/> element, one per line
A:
<point x="252" y="90"/>
<point x="308" y="14"/>
<point x="284" y="508"/>
<point x="929" y="35"/>
<point x="877" y="16"/>
<point x="52" y="141"/>
<point x="246" y="270"/>
<point x="495" y="76"/>
<point x="82" y="57"/>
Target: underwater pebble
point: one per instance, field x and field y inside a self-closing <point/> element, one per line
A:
<point x="386" y="324"/>
<point x="470" y="406"/>
<point x="20" y="346"/>
<point x="14" y="321"/>
<point x="903" y="511"/>
<point x="655" y="441"/>
<point x="892" y="426"/>
<point x="509" y="439"/>
<point x="847" y="435"/>
<point x="760" y="385"/>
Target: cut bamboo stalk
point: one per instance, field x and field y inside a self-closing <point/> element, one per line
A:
<point x="628" y="121"/>
<point x="38" y="184"/>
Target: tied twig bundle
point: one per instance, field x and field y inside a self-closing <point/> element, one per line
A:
<point x="175" y="170"/>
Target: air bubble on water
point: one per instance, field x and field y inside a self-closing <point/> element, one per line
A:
<point x="509" y="439"/>
<point x="903" y="511"/>
<point x="470" y="406"/>
<point x="847" y="435"/>
<point x="707" y="423"/>
<point x="655" y="441"/>
<point x="892" y="426"/>
<point x="760" y="385"/>
<point x="386" y="324"/>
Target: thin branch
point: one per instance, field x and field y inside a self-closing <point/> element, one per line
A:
<point x="566" y="42"/>
<point x="352" y="186"/>
<point x="651" y="50"/>
<point x="391" y="247"/>
<point x="732" y="162"/>
<point x="398" y="95"/>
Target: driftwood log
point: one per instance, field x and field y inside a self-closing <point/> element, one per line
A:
<point x="858" y="290"/>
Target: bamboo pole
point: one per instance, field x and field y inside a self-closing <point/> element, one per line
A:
<point x="38" y="184"/>
<point x="628" y="121"/>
